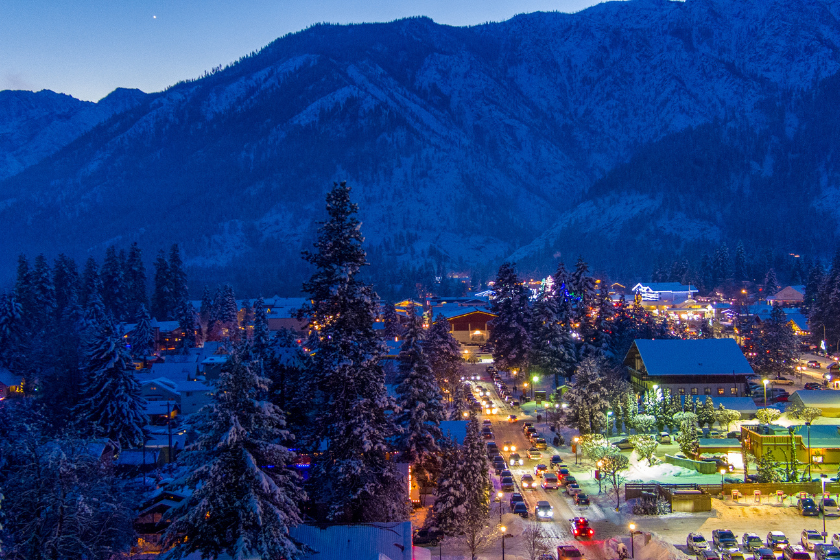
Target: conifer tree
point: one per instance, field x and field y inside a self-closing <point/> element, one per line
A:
<point x="247" y="323"/>
<point x="740" y="263"/>
<point x="553" y="348"/>
<point x="134" y="277"/>
<point x="771" y="285"/>
<point x="228" y="311"/>
<point x="65" y="283"/>
<point x="419" y="398"/>
<point x="444" y="354"/>
<point x="392" y="324"/>
<point x="510" y="338"/>
<point x="777" y="350"/>
<point x="177" y="276"/>
<point x="706" y="413"/>
<point x="475" y="472"/>
<point x="111" y="404"/>
<point x="261" y="332"/>
<point x="185" y="313"/>
<point x="12" y="334"/>
<point x="142" y="337"/>
<point x="206" y="310"/>
<point x="451" y="493"/>
<point x="162" y="302"/>
<point x="584" y="301"/>
<point x="602" y="342"/>
<point x="245" y="497"/>
<point x="113" y="286"/>
<point x="43" y="292"/>
<point x="812" y="289"/>
<point x="90" y="282"/>
<point x="588" y="398"/>
<point x="345" y="380"/>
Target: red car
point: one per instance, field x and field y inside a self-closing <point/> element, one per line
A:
<point x="581" y="529"/>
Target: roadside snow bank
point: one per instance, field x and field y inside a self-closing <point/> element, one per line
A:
<point x="655" y="549"/>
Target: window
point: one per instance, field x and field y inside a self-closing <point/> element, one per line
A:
<point x="694" y="390"/>
<point x="708" y="391"/>
<point x="733" y="391"/>
<point x="720" y="391"/>
<point x="682" y="390"/>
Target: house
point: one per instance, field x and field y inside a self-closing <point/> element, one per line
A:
<point x="159" y="410"/>
<point x="714" y="367"/>
<point x="189" y="394"/>
<point x="664" y="291"/>
<point x="281" y="313"/>
<point x="10" y="384"/>
<point x="468" y="324"/>
<point x="369" y="541"/>
<point x="790" y="295"/>
<point x="745" y="405"/>
<point x="133" y="461"/>
<point x="827" y="401"/>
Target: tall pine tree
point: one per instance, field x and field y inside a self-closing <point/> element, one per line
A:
<point x="161" y="295"/>
<point x="510" y="339"/>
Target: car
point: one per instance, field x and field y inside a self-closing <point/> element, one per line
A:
<point x="546" y="556"/>
<point x="795" y="552"/>
<point x="835" y="540"/>
<point x="829" y="508"/>
<point x="814" y="364"/>
<point x="824" y="551"/>
<point x="562" y="473"/>
<point x="782" y="381"/>
<point x="569" y="480"/>
<point x="498" y="467"/>
<point x="521" y="509"/>
<point x="724" y="540"/>
<point x="427" y="537"/>
<point x="514" y="459"/>
<point x="534" y="453"/>
<point x="540" y="443"/>
<point x="708" y="555"/>
<point x="543" y="511"/>
<point x="568" y="552"/>
<point x="580" y="528"/>
<point x="527" y="482"/>
<point x="763" y="553"/>
<point x="508" y="446"/>
<point x="813" y="386"/>
<point x="540" y="469"/>
<point x="751" y="541"/>
<point x="533" y="437"/>
<point x="733" y="555"/>
<point x="505" y="473"/>
<point x="526" y="425"/>
<point x="507" y="484"/>
<point x="530" y="430"/>
<point x="488" y="434"/>
<point x="555" y="461"/>
<point x="549" y="481"/>
<point x="487" y="422"/>
<point x="572" y="489"/>
<point x="624" y="444"/>
<point x="776" y="540"/>
<point x="807" y="507"/>
<point x="512" y="418"/>
<point x="695" y="542"/>
<point x="581" y="499"/>
<point x="516" y="497"/>
<point x="809" y="538"/>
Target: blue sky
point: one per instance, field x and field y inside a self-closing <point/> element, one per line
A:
<point x="87" y="48"/>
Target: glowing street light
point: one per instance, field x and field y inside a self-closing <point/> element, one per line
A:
<point x="503" y="529"/>
<point x="632" y="528"/>
<point x="499" y="499"/>
<point x="722" y="472"/>
<point x="765" y="381"/>
<point x="577" y="443"/>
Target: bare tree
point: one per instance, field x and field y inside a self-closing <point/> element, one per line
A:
<point x="536" y="540"/>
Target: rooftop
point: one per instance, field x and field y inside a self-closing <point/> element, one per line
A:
<point x="690" y="357"/>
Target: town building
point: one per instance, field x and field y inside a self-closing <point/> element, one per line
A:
<point x="790" y="295"/>
<point x="10" y="384"/>
<point x="828" y="401"/>
<point x="368" y="541"/>
<point x="673" y="292"/>
<point x="714" y="367"/>
<point x="778" y="442"/>
<point x="468" y="324"/>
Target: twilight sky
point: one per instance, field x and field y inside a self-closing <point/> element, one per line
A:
<point x="87" y="48"/>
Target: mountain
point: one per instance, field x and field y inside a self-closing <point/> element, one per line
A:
<point x="36" y="125"/>
<point x="465" y="145"/>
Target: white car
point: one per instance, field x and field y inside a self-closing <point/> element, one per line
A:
<point x="810" y="537"/>
<point x="550" y="482"/>
<point x="695" y="542"/>
<point x="543" y="511"/>
<point x="572" y="489"/>
<point x="835" y="540"/>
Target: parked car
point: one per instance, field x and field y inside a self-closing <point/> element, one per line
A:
<point x="515" y="497"/>
<point x="543" y="511"/>
<point x="695" y="542"/>
<point x="580" y="528"/>
<point x="724" y="540"/>
<point x="555" y="461"/>
<point x="795" y="552"/>
<point x="527" y="482"/>
<point x="763" y="553"/>
<point x="514" y="459"/>
<point x="487" y="433"/>
<point x="809" y="538"/>
<point x="569" y="480"/>
<point x="521" y="509"/>
<point x="427" y="537"/>
<point x="540" y="443"/>
<point x="813" y="386"/>
<point x="814" y="364"/>
<point x="624" y="444"/>
<point x="708" y="555"/>
<point x="776" y="540"/>
<point x="826" y="551"/>
<point x="507" y="484"/>
<point x="512" y="418"/>
<point x="828" y="507"/>
<point x="807" y="507"/>
<point x="572" y="489"/>
<point x="581" y="499"/>
<point x="664" y="438"/>
<point x="505" y="473"/>
<point x="751" y="541"/>
<point x="562" y="473"/>
<point x="733" y="555"/>
<point x="568" y="552"/>
<point x="550" y="481"/>
<point x="782" y="381"/>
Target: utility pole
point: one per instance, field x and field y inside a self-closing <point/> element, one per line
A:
<point x="169" y="429"/>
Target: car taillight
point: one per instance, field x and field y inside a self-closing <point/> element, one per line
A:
<point x="591" y="532"/>
<point x="576" y="532"/>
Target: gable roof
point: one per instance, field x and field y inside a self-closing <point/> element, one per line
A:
<point x="714" y="356"/>
<point x="817" y="399"/>
<point x="663" y="287"/>
<point x="452" y="310"/>
<point x="369" y="541"/>
<point x="9" y="379"/>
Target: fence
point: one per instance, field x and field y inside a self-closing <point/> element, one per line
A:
<point x="703" y="467"/>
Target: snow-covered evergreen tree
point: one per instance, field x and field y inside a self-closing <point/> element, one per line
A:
<point x="584" y="300"/>
<point x="177" y="277"/>
<point x="186" y="316"/>
<point x="142" y="337"/>
<point x="246" y="325"/>
<point x="475" y="472"/>
<point x="12" y="334"/>
<point x="113" y="286"/>
<point x="65" y="283"/>
<point x="552" y="346"/>
<point x="228" y="313"/>
<point x="602" y="341"/>
<point x="706" y="413"/>
<point x="444" y="354"/>
<point x="43" y="292"/>
<point x="134" y="278"/>
<point x="451" y="493"/>
<point x="510" y="338"/>
<point x="261" y="332"/>
<point x="349" y="405"/>
<point x="162" y="302"/>
<point x="245" y="498"/>
<point x="111" y="404"/>
<point x="393" y="329"/>
<point x="771" y="284"/>
<point x="588" y="398"/>
<point x="777" y="350"/>
<point x="419" y="398"/>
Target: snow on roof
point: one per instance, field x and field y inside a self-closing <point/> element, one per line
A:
<point x="452" y="310"/>
<point x="9" y="379"/>
<point x="216" y="359"/>
<point x="175" y="371"/>
<point x="800" y="320"/>
<point x="719" y="442"/>
<point x="154" y="408"/>
<point x="818" y="399"/>
<point x="663" y="287"/>
<point x="369" y="541"/>
<point x="713" y="356"/>
<point x="741" y="404"/>
<point x="135" y="457"/>
<point x="165" y="326"/>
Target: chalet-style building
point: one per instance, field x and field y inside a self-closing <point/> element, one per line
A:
<point x="714" y="367"/>
<point x="10" y="384"/>
<point x="468" y="324"/>
<point x="790" y="295"/>
<point x="664" y="291"/>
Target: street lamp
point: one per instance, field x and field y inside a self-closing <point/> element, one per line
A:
<point x="722" y="472"/>
<point x="534" y="379"/>
<point x="809" y="450"/>
<point x="607" y="427"/>
<point x="577" y="443"/>
<point x="503" y="529"/>
<point x="632" y="527"/>
<point x="765" y="381"/>
<point x="499" y="497"/>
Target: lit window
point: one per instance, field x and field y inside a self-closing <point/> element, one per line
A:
<point x="682" y="391"/>
<point x="720" y="391"/>
<point x="733" y="391"/>
<point x="708" y="390"/>
<point x="694" y="390"/>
